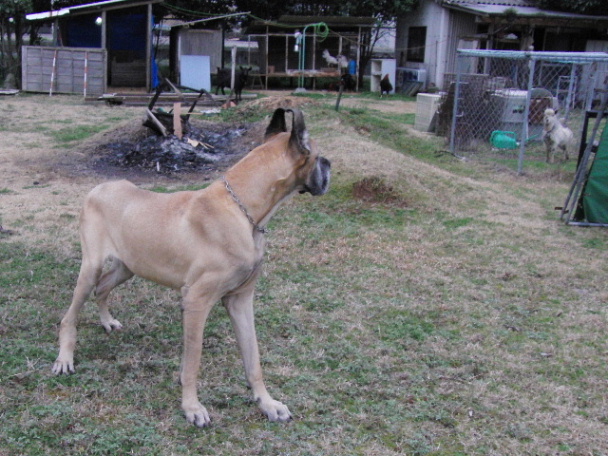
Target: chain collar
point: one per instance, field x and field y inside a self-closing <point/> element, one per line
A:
<point x="236" y="199"/>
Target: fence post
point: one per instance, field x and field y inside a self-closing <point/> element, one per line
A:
<point x="459" y="65"/>
<point x="525" y="130"/>
<point x="569" y="97"/>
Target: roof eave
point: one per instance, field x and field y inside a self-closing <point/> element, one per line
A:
<point x="88" y="8"/>
<point x="522" y="16"/>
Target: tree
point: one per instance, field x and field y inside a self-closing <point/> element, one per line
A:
<point x="592" y="7"/>
<point x="13" y="28"/>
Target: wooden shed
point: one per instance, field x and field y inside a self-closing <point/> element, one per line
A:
<point x="95" y="46"/>
<point x="196" y="53"/>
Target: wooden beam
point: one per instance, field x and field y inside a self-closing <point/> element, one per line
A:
<point x="152" y="118"/>
<point x="149" y="48"/>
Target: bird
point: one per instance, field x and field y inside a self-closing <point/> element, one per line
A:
<point x="331" y="60"/>
<point x="385" y="85"/>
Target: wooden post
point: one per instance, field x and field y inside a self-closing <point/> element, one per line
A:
<point x="177" y="120"/>
<point x="266" y="56"/>
<point x="104" y="43"/>
<point x="86" y="71"/>
<point x="358" y="60"/>
<point x="149" y="48"/>
<point x="233" y="73"/>
<point x="340" y="94"/>
<point x="53" y="71"/>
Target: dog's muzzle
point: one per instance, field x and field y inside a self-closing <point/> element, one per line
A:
<point x="318" y="180"/>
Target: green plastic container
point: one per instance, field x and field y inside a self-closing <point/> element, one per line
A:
<point x="503" y="139"/>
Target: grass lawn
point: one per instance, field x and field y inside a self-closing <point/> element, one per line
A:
<point x="424" y="306"/>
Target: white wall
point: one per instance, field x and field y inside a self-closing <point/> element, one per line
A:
<point x="444" y="29"/>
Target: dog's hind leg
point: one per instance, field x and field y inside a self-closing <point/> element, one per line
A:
<point x="89" y="274"/>
<point x="240" y="309"/>
<point x="117" y="274"/>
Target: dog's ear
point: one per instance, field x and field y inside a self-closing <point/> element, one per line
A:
<point x="277" y="124"/>
<point x="299" y="133"/>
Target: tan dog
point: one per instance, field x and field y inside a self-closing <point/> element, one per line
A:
<point x="209" y="244"/>
<point x="556" y="136"/>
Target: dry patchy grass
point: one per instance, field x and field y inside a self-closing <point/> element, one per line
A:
<point x="466" y="321"/>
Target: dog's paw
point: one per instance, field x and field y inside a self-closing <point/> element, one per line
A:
<point x="197" y="415"/>
<point x="111" y="324"/>
<point x="63" y="366"/>
<point x="275" y="410"/>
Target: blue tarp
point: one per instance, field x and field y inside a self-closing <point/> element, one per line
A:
<point x="125" y="32"/>
<point x="82" y="32"/>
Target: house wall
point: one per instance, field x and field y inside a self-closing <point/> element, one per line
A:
<point x="445" y="30"/>
<point x="435" y="18"/>
<point x="598" y="74"/>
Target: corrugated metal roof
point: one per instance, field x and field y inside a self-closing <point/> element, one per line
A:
<point x="522" y="8"/>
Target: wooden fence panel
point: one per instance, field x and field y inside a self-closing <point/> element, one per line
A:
<point x="62" y="70"/>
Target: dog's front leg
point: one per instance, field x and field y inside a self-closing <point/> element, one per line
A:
<point x="240" y="309"/>
<point x="194" y="315"/>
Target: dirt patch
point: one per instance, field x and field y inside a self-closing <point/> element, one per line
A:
<point x="376" y="190"/>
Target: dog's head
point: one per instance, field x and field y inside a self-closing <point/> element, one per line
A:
<point x="549" y="119"/>
<point x="243" y="74"/>
<point x="311" y="171"/>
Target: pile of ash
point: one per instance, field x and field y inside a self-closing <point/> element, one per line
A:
<point x="205" y="147"/>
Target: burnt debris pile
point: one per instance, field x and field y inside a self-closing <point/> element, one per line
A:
<point x="201" y="149"/>
<point x="172" y="143"/>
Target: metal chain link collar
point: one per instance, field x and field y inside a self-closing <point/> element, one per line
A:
<point x="236" y="199"/>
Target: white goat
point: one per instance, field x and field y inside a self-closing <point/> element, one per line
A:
<point x="556" y="136"/>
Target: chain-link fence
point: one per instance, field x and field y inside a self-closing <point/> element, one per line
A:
<point x="494" y="106"/>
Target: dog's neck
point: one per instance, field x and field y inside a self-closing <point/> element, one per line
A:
<point x="260" y="196"/>
<point x="243" y="208"/>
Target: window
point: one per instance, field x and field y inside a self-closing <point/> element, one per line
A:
<point x="416" y="43"/>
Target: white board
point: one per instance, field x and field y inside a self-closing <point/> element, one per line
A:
<point x="195" y="71"/>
